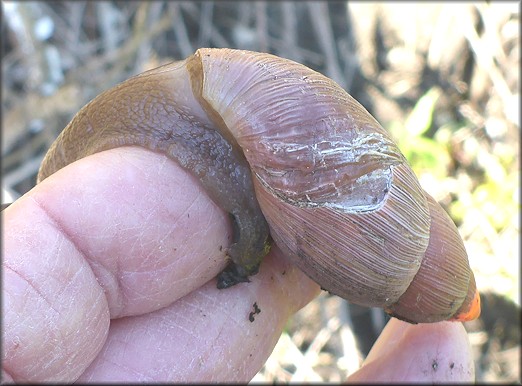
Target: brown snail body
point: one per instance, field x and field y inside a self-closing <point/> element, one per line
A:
<point x="338" y="196"/>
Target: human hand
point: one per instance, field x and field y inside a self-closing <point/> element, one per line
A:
<point x="108" y="270"/>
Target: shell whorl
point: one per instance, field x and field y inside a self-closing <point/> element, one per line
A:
<point x="338" y="195"/>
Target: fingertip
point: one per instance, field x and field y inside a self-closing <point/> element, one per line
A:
<point x="437" y="352"/>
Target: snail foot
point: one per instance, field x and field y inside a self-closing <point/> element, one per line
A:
<point x="233" y="274"/>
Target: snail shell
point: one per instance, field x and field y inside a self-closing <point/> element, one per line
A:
<point x="337" y="194"/>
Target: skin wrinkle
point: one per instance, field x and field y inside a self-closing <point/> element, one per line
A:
<point x="53" y="326"/>
<point x="137" y="296"/>
<point x="221" y="308"/>
<point x="58" y="227"/>
<point x="189" y="279"/>
<point x="165" y="268"/>
<point x="120" y="274"/>
<point x="117" y="273"/>
<point x="144" y="266"/>
<point x="118" y="294"/>
<point x="193" y="307"/>
<point x="30" y="284"/>
<point x="101" y="356"/>
<point x="225" y="308"/>
<point x="437" y="357"/>
<point x="215" y="341"/>
<point x="71" y="280"/>
<point x="127" y="369"/>
<point x="83" y="254"/>
<point x="192" y="204"/>
<point x="280" y="279"/>
<point x="140" y="271"/>
<point x="412" y="368"/>
<point x="163" y="321"/>
<point x="137" y="244"/>
<point x="181" y="328"/>
<point x="68" y="354"/>
<point x="122" y="340"/>
<point x="203" y="230"/>
<point x="12" y="373"/>
<point x="180" y="256"/>
<point x="149" y="257"/>
<point x="172" y="331"/>
<point x="220" y="255"/>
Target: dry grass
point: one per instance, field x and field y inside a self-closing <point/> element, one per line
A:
<point x="464" y="59"/>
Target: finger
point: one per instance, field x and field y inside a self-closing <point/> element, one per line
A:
<point x="209" y="335"/>
<point x="51" y="305"/>
<point x="147" y="229"/>
<point x="118" y="233"/>
<point x="434" y="353"/>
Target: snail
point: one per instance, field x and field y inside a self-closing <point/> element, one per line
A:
<point x="294" y="160"/>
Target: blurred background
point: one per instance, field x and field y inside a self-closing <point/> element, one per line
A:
<point x="444" y="78"/>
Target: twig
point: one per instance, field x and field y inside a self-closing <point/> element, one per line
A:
<point x="322" y="26"/>
<point x="290" y="31"/>
<point x="262" y="33"/>
<point x="205" y="23"/>
<point x="180" y="30"/>
<point x="484" y="59"/>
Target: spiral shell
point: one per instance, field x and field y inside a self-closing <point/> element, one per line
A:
<point x="338" y="195"/>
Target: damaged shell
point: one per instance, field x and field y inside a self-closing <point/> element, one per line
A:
<point x="338" y="195"/>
